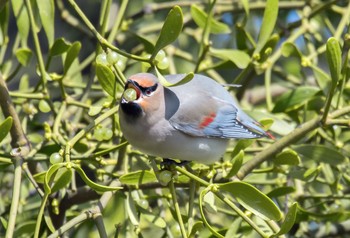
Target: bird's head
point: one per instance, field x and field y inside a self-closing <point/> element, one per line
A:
<point x="142" y="95"/>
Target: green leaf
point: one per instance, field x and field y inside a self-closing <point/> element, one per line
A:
<point x="90" y="183"/>
<point x="238" y="57"/>
<point x="289" y="49"/>
<point x="154" y="219"/>
<point x="44" y="106"/>
<point x="72" y="54"/>
<point x="322" y="78"/>
<point x="280" y="191"/>
<point x="327" y="216"/>
<point x="311" y="173"/>
<point x="245" y="4"/>
<point x="106" y="78"/>
<point x="237" y="162"/>
<point x="22" y="20"/>
<point x="4" y="22"/>
<point x="170" y="30"/>
<point x="268" y="48"/>
<point x="287" y="157"/>
<point x="209" y="202"/>
<point x="295" y="98"/>
<point x="47" y="16"/>
<point x="268" y="24"/>
<point x="138" y="177"/>
<point x="200" y="18"/>
<point x="201" y="196"/>
<point x="197" y="226"/>
<point x="59" y="47"/>
<point x="333" y="53"/>
<point x="289" y="220"/>
<point x="40" y="177"/>
<point x="94" y="110"/>
<point x="5" y="127"/>
<point x="241" y="145"/>
<point x="63" y="178"/>
<point x="50" y="175"/>
<point x="132" y="213"/>
<point x="253" y="200"/>
<point x="188" y="77"/>
<point x="320" y="153"/>
<point x="25" y="229"/>
<point x="233" y="230"/>
<point x="23" y="56"/>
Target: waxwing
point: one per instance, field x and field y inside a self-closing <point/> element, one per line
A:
<point x="189" y="122"/>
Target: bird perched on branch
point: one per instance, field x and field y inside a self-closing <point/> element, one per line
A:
<point x="190" y="122"/>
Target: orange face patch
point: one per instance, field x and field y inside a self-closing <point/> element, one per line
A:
<point x="143" y="80"/>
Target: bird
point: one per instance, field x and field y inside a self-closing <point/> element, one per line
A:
<point x="188" y="122"/>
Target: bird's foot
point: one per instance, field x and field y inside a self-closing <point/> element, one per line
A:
<point x="166" y="163"/>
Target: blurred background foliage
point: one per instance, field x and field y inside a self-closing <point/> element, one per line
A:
<point x="66" y="170"/>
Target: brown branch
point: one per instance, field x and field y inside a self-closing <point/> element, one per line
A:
<point x="18" y="138"/>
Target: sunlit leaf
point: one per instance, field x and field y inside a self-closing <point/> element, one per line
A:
<point x="311" y="173"/>
<point x="64" y="178"/>
<point x="197" y="226"/>
<point x="72" y="54"/>
<point x="289" y="49"/>
<point x="234" y="228"/>
<point x="23" y="56"/>
<point x="92" y="184"/>
<point x="22" y="19"/>
<point x="268" y="24"/>
<point x="49" y="176"/>
<point x="138" y="177"/>
<point x="238" y="57"/>
<point x="322" y="78"/>
<point x="245" y="4"/>
<point x="333" y="53"/>
<point x="201" y="198"/>
<point x="287" y="157"/>
<point x="200" y="18"/>
<point x="44" y="106"/>
<point x="131" y="211"/>
<point x="209" y="202"/>
<point x="59" y="47"/>
<point x="241" y="145"/>
<point x="253" y="200"/>
<point x="47" y="16"/>
<point x="188" y="77"/>
<point x="154" y="219"/>
<point x="106" y="78"/>
<point x="294" y="98"/>
<point x="40" y="177"/>
<point x="237" y="162"/>
<point x="94" y="110"/>
<point x="5" y="127"/>
<point x="170" y="30"/>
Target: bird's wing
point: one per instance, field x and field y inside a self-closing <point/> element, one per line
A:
<point x="207" y="116"/>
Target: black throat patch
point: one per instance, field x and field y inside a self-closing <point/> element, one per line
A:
<point x="132" y="110"/>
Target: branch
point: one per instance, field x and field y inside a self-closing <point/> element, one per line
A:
<point x="21" y="147"/>
<point x="292" y="137"/>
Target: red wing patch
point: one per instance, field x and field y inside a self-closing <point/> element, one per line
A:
<point x="207" y="120"/>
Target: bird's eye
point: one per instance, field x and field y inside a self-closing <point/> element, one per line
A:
<point x="148" y="91"/>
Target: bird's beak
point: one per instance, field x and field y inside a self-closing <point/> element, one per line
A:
<point x="132" y="92"/>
